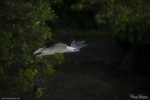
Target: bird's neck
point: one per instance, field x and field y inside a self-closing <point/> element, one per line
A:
<point x="70" y="49"/>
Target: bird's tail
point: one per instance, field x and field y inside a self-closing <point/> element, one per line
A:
<point x="38" y="51"/>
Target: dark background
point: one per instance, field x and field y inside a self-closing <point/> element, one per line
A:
<point x="114" y="64"/>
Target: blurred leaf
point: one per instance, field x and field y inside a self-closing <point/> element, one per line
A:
<point x="23" y="29"/>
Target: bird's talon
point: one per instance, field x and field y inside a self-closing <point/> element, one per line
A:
<point x="39" y="56"/>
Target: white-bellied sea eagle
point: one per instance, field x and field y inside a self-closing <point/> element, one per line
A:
<point x="60" y="44"/>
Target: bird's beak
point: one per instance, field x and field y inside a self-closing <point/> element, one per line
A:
<point x="78" y="50"/>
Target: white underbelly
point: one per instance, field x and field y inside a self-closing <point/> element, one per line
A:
<point x="48" y="51"/>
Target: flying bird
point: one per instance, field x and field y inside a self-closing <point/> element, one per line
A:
<point x="61" y="44"/>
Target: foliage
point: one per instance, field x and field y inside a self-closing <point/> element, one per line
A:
<point x="22" y="30"/>
<point x="129" y="20"/>
<point x="70" y="19"/>
<point x="126" y="20"/>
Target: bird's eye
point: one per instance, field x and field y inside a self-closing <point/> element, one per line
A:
<point x="74" y="49"/>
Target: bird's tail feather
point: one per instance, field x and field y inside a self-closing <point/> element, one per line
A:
<point x="38" y="51"/>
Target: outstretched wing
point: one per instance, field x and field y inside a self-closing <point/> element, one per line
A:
<point x="63" y="39"/>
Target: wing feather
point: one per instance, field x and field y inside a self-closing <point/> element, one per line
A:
<point x="64" y="39"/>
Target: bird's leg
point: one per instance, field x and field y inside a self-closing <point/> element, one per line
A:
<point x="39" y="56"/>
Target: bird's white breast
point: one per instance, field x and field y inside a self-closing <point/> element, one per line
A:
<point x="53" y="50"/>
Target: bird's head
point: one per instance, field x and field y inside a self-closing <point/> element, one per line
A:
<point x="77" y="45"/>
<point x="75" y="50"/>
